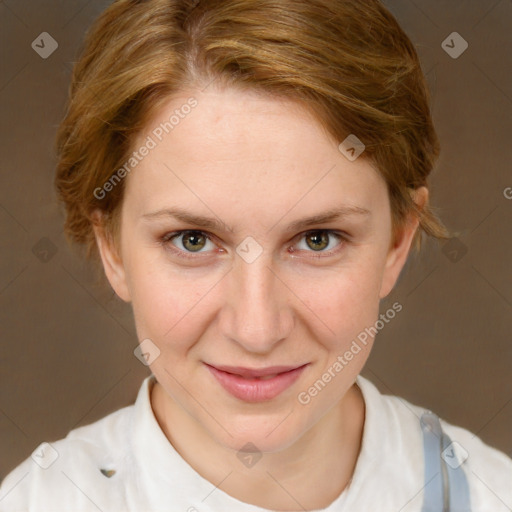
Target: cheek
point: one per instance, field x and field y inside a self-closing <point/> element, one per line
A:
<point x="168" y="304"/>
<point x="173" y="307"/>
<point x="344" y="301"/>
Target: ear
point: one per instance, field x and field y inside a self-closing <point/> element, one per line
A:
<point x="398" y="252"/>
<point x="112" y="262"/>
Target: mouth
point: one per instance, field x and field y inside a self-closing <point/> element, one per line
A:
<point x="256" y="385"/>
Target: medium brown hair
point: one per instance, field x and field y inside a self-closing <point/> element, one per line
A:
<point x="347" y="61"/>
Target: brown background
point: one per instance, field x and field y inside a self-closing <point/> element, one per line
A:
<point x="67" y="348"/>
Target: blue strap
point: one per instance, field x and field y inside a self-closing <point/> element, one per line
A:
<point x="446" y="488"/>
<point x="434" y="492"/>
<point x="459" y="488"/>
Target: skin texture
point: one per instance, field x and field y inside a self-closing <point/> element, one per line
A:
<point x="256" y="163"/>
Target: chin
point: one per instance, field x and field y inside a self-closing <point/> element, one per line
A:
<point x="267" y="435"/>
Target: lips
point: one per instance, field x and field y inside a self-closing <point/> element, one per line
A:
<point x="256" y="385"/>
<point x="256" y="373"/>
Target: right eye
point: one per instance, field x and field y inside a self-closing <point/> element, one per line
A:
<point x="192" y="240"/>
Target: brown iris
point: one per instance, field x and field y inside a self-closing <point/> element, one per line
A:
<point x="197" y="240"/>
<point x="320" y="240"/>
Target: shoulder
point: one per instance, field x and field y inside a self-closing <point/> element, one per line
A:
<point x="488" y="470"/>
<point x="71" y="468"/>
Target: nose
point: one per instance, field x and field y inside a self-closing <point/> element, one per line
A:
<point x="257" y="311"/>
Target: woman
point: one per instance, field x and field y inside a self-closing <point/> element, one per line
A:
<point x="252" y="175"/>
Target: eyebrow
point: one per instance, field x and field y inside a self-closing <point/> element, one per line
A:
<point x="215" y="224"/>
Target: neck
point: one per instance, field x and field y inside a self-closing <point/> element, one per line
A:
<point x="300" y="477"/>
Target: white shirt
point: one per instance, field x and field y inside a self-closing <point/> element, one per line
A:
<point x="151" y="476"/>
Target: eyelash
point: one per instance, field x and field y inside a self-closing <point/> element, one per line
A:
<point x="166" y="239"/>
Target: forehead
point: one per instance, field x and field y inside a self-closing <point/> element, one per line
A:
<point x="234" y="124"/>
<point x="244" y="146"/>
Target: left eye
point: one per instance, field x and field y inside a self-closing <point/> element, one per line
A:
<point x="319" y="240"/>
<point x="193" y="241"/>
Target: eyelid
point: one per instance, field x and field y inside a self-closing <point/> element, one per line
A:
<point x="342" y="237"/>
<point x="168" y="237"/>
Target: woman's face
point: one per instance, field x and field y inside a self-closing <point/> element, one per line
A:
<point x="255" y="286"/>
